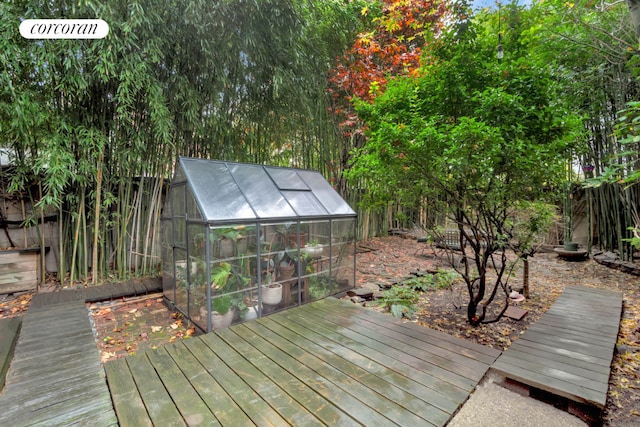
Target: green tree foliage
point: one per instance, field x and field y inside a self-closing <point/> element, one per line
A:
<point x="480" y="139"/>
<point x="594" y="51"/>
<point x="100" y="122"/>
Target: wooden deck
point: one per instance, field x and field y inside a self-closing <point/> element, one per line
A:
<point x="9" y="329"/>
<point x="325" y="363"/>
<point x="55" y="377"/>
<point x="568" y="352"/>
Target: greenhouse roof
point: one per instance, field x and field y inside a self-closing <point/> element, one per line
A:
<point x="227" y="191"/>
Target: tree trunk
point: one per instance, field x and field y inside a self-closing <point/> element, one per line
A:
<point x="525" y="278"/>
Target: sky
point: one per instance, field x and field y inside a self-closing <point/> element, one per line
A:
<point x="479" y="4"/>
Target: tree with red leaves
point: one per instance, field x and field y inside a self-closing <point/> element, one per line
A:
<point x="393" y="46"/>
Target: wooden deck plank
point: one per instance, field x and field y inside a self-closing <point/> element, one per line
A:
<point x="214" y="396"/>
<point x="369" y="394"/>
<point x="38" y="369"/>
<point x="599" y="352"/>
<point x="36" y="395"/>
<point x="193" y="410"/>
<point x="559" y="353"/>
<point x="575" y="328"/>
<point x="449" y="342"/>
<point x="554" y="354"/>
<point x="584" y="377"/>
<point x="447" y="402"/>
<point x="422" y="350"/>
<point x="428" y="375"/>
<point x="286" y="405"/>
<point x="433" y="365"/>
<point x="157" y="401"/>
<point x="244" y="396"/>
<point x="87" y="403"/>
<point x="311" y="365"/>
<point x="569" y="351"/>
<point x="9" y="330"/>
<point x="324" y="386"/>
<point x="551" y="383"/>
<point x="397" y="337"/>
<point x="126" y="399"/>
<point x="323" y="409"/>
<point x="428" y="404"/>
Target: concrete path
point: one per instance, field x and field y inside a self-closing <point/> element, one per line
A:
<point x="492" y="405"/>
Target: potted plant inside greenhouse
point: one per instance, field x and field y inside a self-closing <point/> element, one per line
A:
<point x="226" y="287"/>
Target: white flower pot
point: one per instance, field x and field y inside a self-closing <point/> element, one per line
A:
<point x="272" y="294"/>
<point x="252" y="313"/>
<point x="218" y="321"/>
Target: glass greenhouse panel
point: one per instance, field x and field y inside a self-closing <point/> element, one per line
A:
<point x="168" y="264"/>
<point x="217" y="192"/>
<point x="287" y="179"/>
<point x="330" y="199"/>
<point x="305" y="203"/>
<point x="179" y="176"/>
<point x="243" y="241"/>
<point x="193" y="210"/>
<point x="261" y="192"/>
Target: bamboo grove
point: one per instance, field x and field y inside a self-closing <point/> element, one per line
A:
<point x="93" y="127"/>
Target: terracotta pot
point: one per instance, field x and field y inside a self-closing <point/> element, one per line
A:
<point x="286" y="272"/>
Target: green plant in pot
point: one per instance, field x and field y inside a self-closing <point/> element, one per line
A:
<point x="222" y="304"/>
<point x="221" y="312"/>
<point x="313" y="249"/>
<point x="224" y="277"/>
<point x="224" y="281"/>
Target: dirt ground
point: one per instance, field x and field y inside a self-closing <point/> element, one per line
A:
<point x="128" y="326"/>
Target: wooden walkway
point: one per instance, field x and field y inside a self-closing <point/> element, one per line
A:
<point x="325" y="363"/>
<point x="55" y="377"/>
<point x="131" y="287"/>
<point x="568" y="352"/>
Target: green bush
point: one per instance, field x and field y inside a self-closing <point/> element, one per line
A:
<point x="400" y="301"/>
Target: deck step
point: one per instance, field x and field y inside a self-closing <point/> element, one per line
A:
<point x="567" y="354"/>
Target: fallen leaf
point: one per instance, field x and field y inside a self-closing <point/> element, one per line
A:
<point x="107" y="355"/>
<point x="156" y="328"/>
<point x="133" y="311"/>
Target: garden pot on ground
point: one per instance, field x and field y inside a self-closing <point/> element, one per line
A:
<point x="570" y="246"/>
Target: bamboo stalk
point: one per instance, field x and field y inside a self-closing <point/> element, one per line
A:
<point x="76" y="237"/>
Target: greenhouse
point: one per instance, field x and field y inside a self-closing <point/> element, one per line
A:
<point x="242" y="241"/>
